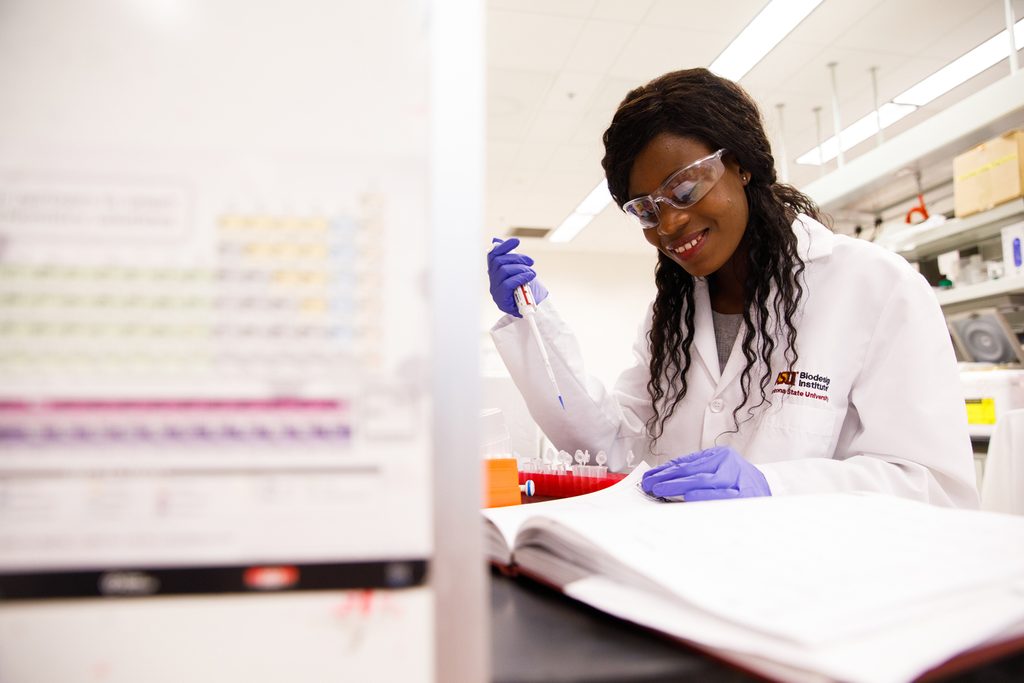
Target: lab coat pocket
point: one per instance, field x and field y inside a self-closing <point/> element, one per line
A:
<point x="790" y="431"/>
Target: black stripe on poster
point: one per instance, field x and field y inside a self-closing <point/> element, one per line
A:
<point x="265" y="578"/>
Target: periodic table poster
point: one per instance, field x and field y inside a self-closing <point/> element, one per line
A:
<point x="213" y="310"/>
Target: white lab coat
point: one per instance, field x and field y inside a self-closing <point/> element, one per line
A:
<point x="880" y="410"/>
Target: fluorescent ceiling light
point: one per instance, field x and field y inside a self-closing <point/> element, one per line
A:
<point x="593" y="204"/>
<point x="989" y="53"/>
<point x="570" y="227"/>
<point x="768" y="28"/>
<point x="856" y="133"/>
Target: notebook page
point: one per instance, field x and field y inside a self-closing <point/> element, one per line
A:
<point x="508" y="520"/>
<point x="773" y="563"/>
<point x="899" y="653"/>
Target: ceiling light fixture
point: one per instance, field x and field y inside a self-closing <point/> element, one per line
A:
<point x="957" y="72"/>
<point x="988" y="54"/>
<point x="761" y="35"/>
<point x="593" y="204"/>
<point x="857" y="132"/>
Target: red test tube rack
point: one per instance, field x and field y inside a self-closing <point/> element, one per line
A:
<point x="568" y="484"/>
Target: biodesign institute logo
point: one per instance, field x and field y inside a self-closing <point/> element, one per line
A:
<point x="804" y="384"/>
<point x="786" y="378"/>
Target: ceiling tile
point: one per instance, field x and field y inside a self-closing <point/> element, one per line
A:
<point x="611" y="93"/>
<point x="523" y="40"/>
<point x="513" y="98"/>
<point x="907" y="26"/>
<point x="778" y="66"/>
<point x="572" y="92"/>
<point x="625" y="11"/>
<point x="974" y="28"/>
<point x="562" y="8"/>
<point x="831" y="19"/>
<point x="500" y="157"/>
<point x="653" y="51"/>
<point x="553" y="126"/>
<point x="720" y="17"/>
<point x="598" y="46"/>
<point x="582" y="159"/>
<point x="533" y="157"/>
<point x="592" y="127"/>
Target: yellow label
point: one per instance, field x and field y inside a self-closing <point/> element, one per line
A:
<point x="987" y="168"/>
<point x="981" y="411"/>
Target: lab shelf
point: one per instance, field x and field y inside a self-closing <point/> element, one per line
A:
<point x="1006" y="285"/>
<point x="957" y="233"/>
<point x="976" y="118"/>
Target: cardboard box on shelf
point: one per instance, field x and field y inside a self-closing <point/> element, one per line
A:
<point x="989" y="174"/>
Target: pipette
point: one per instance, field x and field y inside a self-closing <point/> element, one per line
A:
<point x="527" y="307"/>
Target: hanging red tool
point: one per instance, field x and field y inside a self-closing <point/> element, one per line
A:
<point x="920" y="207"/>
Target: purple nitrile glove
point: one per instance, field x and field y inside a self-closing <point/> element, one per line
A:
<point x="712" y="474"/>
<point x="507" y="271"/>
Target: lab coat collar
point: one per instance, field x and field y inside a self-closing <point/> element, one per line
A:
<point x="814" y="241"/>
<point x="704" y="334"/>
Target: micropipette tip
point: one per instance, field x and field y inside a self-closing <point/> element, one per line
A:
<point x="561" y="401"/>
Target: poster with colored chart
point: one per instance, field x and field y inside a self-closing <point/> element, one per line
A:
<point x="213" y="319"/>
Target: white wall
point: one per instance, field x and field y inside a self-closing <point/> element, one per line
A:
<point x="603" y="298"/>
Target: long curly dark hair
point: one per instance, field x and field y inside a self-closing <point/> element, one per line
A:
<point x="697" y="104"/>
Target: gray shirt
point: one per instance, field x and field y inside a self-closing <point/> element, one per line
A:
<point x="727" y="327"/>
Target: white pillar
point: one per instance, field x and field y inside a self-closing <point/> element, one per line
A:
<point x="1010" y="21"/>
<point x="458" y="574"/>
<point x="817" y="132"/>
<point x="781" y="160"/>
<point x="880" y="134"/>
<point x="836" y="123"/>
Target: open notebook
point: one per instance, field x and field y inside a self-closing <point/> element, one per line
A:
<point x="854" y="587"/>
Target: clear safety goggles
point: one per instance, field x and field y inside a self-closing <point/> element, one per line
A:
<point x="683" y="189"/>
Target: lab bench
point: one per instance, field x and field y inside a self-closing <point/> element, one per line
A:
<point x="541" y="636"/>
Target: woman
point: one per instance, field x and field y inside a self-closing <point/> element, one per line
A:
<point x="777" y="357"/>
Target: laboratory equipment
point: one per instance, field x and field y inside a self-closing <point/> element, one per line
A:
<point x="507" y="271"/>
<point x="495" y="440"/>
<point x="501" y="482"/>
<point x="985" y="335"/>
<point x="990" y="391"/>
<point x="601" y="459"/>
<point x="527" y="307"/>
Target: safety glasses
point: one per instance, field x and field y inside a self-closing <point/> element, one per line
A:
<point x="683" y="189"/>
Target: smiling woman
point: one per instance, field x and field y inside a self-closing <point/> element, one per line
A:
<point x="673" y="122"/>
<point x="777" y="357"/>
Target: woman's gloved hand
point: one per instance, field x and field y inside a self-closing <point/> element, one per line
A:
<point x="712" y="474"/>
<point x="508" y="271"/>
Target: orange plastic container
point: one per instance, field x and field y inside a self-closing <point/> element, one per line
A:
<point x="501" y="482"/>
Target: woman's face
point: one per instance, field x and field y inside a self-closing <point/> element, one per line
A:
<point x="703" y="237"/>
